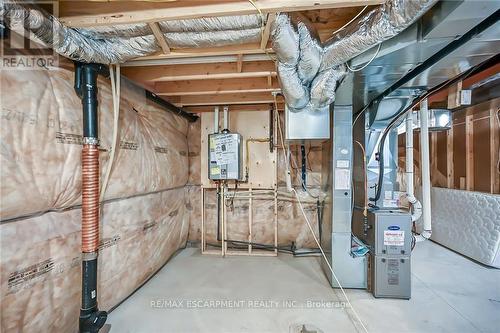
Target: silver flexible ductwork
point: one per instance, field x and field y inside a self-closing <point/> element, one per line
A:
<point x="376" y="26"/>
<point x="117" y="44"/>
<point x="310" y="71"/>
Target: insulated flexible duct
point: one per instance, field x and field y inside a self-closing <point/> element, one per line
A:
<point x="312" y="69"/>
<point x="117" y="44"/>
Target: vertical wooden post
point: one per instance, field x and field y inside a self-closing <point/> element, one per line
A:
<point x="449" y="159"/>
<point x="223" y="220"/>
<point x="250" y="218"/>
<point x="202" y="220"/>
<point x="276" y="220"/>
<point x="434" y="159"/>
<point x="469" y="153"/>
<point x="495" y="150"/>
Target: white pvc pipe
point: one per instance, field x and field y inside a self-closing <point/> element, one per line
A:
<point x="226" y="118"/>
<point x="410" y="192"/>
<point x="426" y="174"/>
<point x="216" y="119"/>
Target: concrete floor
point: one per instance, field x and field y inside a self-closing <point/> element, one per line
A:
<point x="450" y="293"/>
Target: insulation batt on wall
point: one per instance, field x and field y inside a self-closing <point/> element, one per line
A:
<point x="144" y="218"/>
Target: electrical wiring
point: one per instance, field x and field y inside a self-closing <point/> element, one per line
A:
<point x="318" y="243"/>
<point x="262" y="27"/>
<point x="365" y="180"/>
<point x="352" y="20"/>
<point x="287" y="153"/>
<point x="328" y="263"/>
<point x="367" y="64"/>
<point x="115" y="89"/>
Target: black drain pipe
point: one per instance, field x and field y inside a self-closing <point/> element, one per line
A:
<point x="171" y="107"/>
<point x="91" y="319"/>
<point x="304" y="167"/>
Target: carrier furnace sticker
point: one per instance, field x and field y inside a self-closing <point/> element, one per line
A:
<point x="394" y="238"/>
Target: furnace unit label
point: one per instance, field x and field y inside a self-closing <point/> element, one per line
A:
<point x="394" y="237"/>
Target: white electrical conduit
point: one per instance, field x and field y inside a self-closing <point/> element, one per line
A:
<point x="410" y="195"/>
<point x="314" y="236"/>
<point x="426" y="175"/>
<point x="115" y="90"/>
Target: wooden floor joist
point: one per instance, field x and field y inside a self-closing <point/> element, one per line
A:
<point x="183" y="10"/>
<point x="240" y="74"/>
<point x="221" y="86"/>
<point x="200" y="71"/>
<point x="224" y="99"/>
<point x="240" y="107"/>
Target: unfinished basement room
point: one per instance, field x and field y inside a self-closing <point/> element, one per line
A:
<point x="259" y="166"/>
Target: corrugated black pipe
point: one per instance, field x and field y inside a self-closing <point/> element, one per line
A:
<point x="170" y="107"/>
<point x="91" y="319"/>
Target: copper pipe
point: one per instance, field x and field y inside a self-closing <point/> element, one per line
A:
<point x="90" y="198"/>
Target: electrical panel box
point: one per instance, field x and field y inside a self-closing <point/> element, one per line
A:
<point x="390" y="240"/>
<point x="224" y="156"/>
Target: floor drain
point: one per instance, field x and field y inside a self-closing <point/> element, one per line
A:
<point x="304" y="328"/>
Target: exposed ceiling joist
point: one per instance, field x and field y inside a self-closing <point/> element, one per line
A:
<point x="207" y="52"/>
<point x="235" y="108"/>
<point x="223" y="99"/>
<point x="200" y="71"/>
<point x="210" y="9"/>
<point x="214" y="87"/>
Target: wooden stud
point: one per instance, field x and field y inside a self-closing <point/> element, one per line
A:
<point x="454" y="95"/>
<point x="159" y="37"/>
<point x="469" y="153"/>
<point x="275" y="219"/>
<point x="239" y="63"/>
<point x="177" y="12"/>
<point x="449" y="159"/>
<point x="495" y="150"/>
<point x="267" y="31"/>
<point x="203" y="247"/>
<point x="250" y="222"/>
<point x="434" y="158"/>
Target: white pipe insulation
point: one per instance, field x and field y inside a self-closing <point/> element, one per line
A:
<point x="216" y="119"/>
<point x="410" y="193"/>
<point x="426" y="174"/>
<point x="226" y="118"/>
